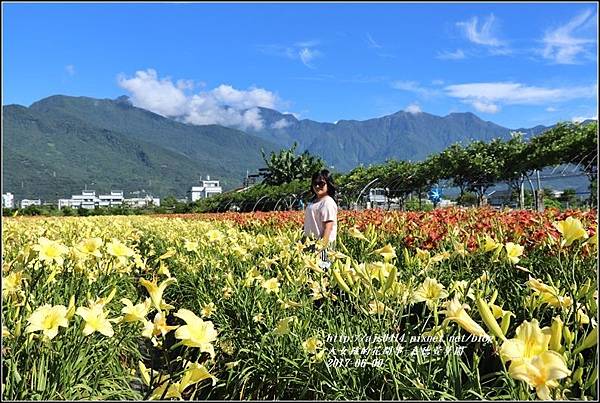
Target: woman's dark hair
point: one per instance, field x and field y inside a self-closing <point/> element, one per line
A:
<point x="323" y="175"/>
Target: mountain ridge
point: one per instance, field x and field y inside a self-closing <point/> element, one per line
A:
<point x="106" y="130"/>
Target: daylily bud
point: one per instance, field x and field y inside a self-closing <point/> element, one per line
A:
<point x="18" y="329"/>
<point x="577" y="375"/>
<point x="391" y="279"/>
<point x="590" y="341"/>
<point x="505" y="321"/>
<point x="71" y="308"/>
<point x="407" y="259"/>
<point x="111" y="295"/>
<point x="338" y="278"/>
<point x="556" y="334"/>
<point x="494" y="296"/>
<point x="348" y="276"/>
<point x="567" y="335"/>
<point x="488" y="318"/>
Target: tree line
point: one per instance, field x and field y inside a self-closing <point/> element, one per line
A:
<point x="474" y="167"/>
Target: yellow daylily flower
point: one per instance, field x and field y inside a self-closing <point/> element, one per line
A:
<point x="312" y="344"/>
<point x="491" y="244"/>
<point x="549" y="294"/>
<point x="430" y="291"/>
<point x="196" y="332"/>
<point x="571" y="230"/>
<point x="388" y="252"/>
<point x="283" y="326"/>
<point x="156" y="291"/>
<point x="95" y="320"/>
<point x="355" y="233"/>
<point x="529" y="342"/>
<point x="48" y="318"/>
<point x="190" y="246"/>
<point x="90" y="246"/>
<point x="118" y="249"/>
<point x="134" y="313"/>
<point x="159" y="326"/>
<point x="376" y="307"/>
<point x="541" y="372"/>
<point x="214" y="235"/>
<point x="50" y="251"/>
<point x="208" y="310"/>
<point x="513" y="251"/>
<point x="456" y="312"/>
<point x="195" y="373"/>
<point x="271" y="285"/>
<point x="11" y="284"/>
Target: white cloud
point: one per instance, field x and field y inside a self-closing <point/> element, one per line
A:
<point x="456" y="55"/>
<point x="561" y="46"/>
<point x="551" y="109"/>
<point x="579" y="119"/>
<point x="294" y="114"/>
<point x="70" y="69"/>
<point x="372" y="42"/>
<point x="485" y="107"/>
<point x="280" y="124"/>
<point x="413" y="86"/>
<point x="437" y="82"/>
<point x="413" y="108"/>
<point x="482" y="36"/>
<point x="223" y="105"/>
<point x="304" y="51"/>
<point x="159" y="96"/>
<point x="185" y="84"/>
<point x="486" y="97"/>
<point x="307" y="55"/>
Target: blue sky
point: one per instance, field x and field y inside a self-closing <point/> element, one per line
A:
<point x="515" y="64"/>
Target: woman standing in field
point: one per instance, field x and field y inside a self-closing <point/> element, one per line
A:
<point x="320" y="216"/>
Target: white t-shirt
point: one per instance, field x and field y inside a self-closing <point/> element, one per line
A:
<point x="315" y="216"/>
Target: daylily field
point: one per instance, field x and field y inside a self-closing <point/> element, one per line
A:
<point x="450" y="304"/>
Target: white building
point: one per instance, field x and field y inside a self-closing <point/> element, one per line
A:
<point x="208" y="188"/>
<point x="114" y="199"/>
<point x="27" y="202"/>
<point x="88" y="199"/>
<point x="377" y="197"/>
<point x="141" y="202"/>
<point x="8" y="200"/>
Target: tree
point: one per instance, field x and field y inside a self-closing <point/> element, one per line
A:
<point x="286" y="166"/>
<point x="484" y="166"/>
<point x="451" y="163"/>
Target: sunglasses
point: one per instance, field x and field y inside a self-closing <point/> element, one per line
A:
<point x="319" y="184"/>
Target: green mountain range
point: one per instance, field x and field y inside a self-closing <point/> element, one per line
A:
<point x="403" y="135"/>
<point x="60" y="145"/>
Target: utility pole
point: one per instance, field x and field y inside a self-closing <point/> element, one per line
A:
<point x="540" y="193"/>
<point x="522" y="193"/>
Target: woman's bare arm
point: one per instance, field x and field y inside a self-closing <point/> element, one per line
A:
<point x="327" y="231"/>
